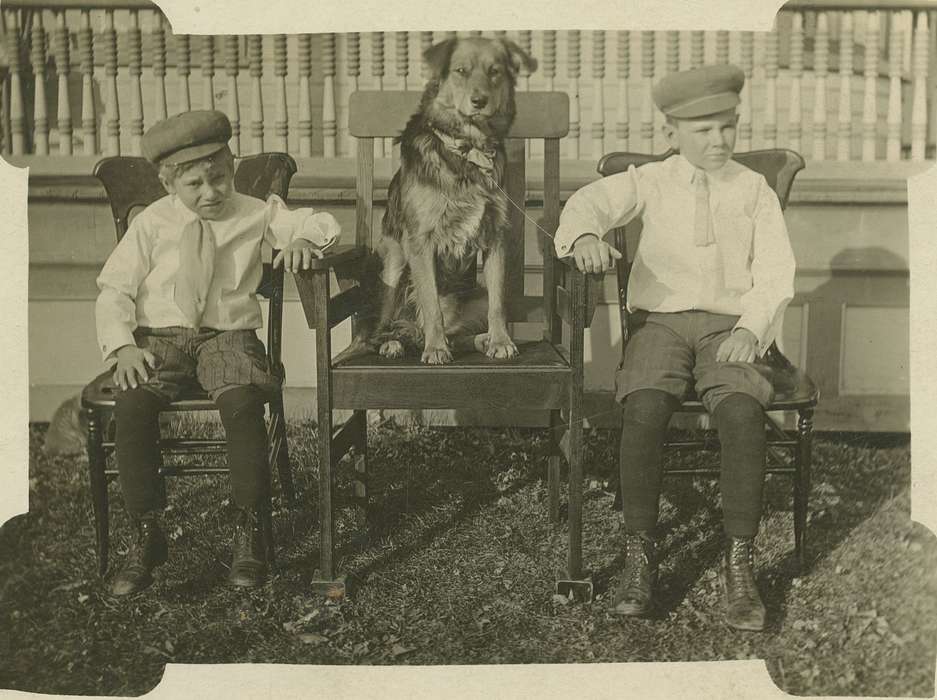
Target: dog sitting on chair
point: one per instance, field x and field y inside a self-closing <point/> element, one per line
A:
<point x="446" y="203"/>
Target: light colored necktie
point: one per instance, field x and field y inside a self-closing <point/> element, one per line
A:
<point x="703" y="227"/>
<point x="196" y="268"/>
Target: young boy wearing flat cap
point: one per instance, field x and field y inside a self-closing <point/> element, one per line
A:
<point x="177" y="306"/>
<point x="712" y="275"/>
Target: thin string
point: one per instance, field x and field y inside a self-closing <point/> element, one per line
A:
<point x="524" y="213"/>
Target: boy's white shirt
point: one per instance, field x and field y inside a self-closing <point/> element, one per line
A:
<point x="749" y="272"/>
<point x="138" y="279"/>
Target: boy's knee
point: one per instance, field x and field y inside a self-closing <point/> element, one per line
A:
<point x="240" y="403"/>
<point x="650" y="407"/>
<point x="137" y="405"/>
<point x="738" y="409"/>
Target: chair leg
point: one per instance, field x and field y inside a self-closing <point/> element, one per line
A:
<point x="802" y="475"/>
<point x="279" y="450"/>
<point x="362" y="494"/>
<point x="573" y="582"/>
<point x="98" y="480"/>
<point x="267" y="528"/>
<point x="553" y="468"/>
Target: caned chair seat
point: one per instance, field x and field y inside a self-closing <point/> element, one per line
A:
<point x="101" y="393"/>
<point x="793" y="388"/>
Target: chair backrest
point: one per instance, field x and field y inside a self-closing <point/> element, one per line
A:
<point x="779" y="166"/>
<point x="132" y="183"/>
<point x="540" y="115"/>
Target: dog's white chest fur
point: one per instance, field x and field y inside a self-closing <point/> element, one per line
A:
<point x="458" y="229"/>
<point x="452" y="223"/>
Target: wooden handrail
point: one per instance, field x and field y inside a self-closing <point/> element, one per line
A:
<point x="831" y="82"/>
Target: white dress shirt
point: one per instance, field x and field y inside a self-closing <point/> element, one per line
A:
<point x="138" y="280"/>
<point x="749" y="272"/>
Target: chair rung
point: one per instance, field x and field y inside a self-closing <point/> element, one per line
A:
<point x="199" y="450"/>
<point x="697" y="444"/>
<point x="185" y="470"/>
<point x="690" y="444"/>
<point x="709" y="471"/>
<point x="716" y="471"/>
<point x="178" y="471"/>
<point x="179" y="445"/>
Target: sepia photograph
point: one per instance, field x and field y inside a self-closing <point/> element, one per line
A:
<point x="574" y="347"/>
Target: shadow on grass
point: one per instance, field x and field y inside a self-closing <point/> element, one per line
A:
<point x="853" y="488"/>
<point x="429" y="486"/>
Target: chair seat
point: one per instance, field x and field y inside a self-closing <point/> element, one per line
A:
<point x="102" y="392"/>
<point x="793" y="390"/>
<point x="537" y="378"/>
<point x="537" y="353"/>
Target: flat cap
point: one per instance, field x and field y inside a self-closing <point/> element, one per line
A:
<point x="186" y="137"/>
<point x="699" y="92"/>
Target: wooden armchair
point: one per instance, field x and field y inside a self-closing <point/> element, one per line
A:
<point x="789" y="452"/>
<point x="544" y="377"/>
<point x="131" y="184"/>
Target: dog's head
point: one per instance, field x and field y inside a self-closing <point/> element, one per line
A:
<point x="472" y="83"/>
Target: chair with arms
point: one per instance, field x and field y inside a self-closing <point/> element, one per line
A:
<point x="544" y="377"/>
<point x="131" y="184"/>
<point x="789" y="452"/>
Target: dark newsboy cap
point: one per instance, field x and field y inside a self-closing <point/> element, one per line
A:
<point x="186" y="137"/>
<point x="699" y="92"/>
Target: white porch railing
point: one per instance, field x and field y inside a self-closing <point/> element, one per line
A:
<point x="833" y="80"/>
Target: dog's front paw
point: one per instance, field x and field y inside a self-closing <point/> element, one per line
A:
<point x="391" y="349"/>
<point x="437" y="355"/>
<point x="501" y="348"/>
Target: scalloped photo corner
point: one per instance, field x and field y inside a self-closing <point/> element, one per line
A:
<point x="312" y="629"/>
<point x="14" y="379"/>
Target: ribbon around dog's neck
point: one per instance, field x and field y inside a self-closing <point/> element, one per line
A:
<point x="483" y="159"/>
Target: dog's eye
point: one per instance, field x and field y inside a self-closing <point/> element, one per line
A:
<point x="494" y="71"/>
<point x="462" y="70"/>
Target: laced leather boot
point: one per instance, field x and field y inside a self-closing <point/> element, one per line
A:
<point x="744" y="609"/>
<point x="249" y="561"/>
<point x="634" y="596"/>
<point x="148" y="550"/>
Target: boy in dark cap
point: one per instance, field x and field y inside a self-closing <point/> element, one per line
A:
<point x="712" y="275"/>
<point x="177" y="305"/>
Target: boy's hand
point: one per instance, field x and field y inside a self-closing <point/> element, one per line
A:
<point x="592" y="254"/>
<point x="131" y="366"/>
<point x="298" y="255"/>
<point x="740" y="346"/>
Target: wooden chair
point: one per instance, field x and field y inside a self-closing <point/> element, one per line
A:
<point x="544" y="376"/>
<point x="789" y="452"/>
<point x="131" y="184"/>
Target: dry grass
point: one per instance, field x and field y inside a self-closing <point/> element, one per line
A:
<point x="460" y="569"/>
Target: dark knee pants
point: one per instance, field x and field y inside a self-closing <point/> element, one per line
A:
<point x="231" y="367"/>
<point x="665" y="354"/>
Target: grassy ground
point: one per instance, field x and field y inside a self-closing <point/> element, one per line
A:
<point x="460" y="570"/>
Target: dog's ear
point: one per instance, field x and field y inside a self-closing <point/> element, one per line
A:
<point x="518" y="58"/>
<point x="437" y="57"/>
